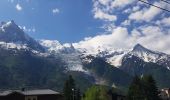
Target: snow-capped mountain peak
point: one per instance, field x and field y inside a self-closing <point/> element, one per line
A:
<point x="145" y="54"/>
<point x="141" y="49"/>
<point x="10" y="32"/>
<point x="8" y="24"/>
<point x="51" y="44"/>
<point x="56" y="47"/>
<point x="112" y="56"/>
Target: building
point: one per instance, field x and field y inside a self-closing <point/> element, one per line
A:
<point x="165" y="94"/>
<point x="44" y="94"/>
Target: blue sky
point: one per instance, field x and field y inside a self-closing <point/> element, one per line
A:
<point x="72" y="21"/>
<point x="93" y="23"/>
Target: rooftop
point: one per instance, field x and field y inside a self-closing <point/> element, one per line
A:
<point x="29" y="92"/>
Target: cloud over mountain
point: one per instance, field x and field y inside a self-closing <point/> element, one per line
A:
<point x="142" y="24"/>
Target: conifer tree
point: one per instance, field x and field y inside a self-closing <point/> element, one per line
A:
<point x="143" y="89"/>
<point x="135" y="91"/>
<point x="78" y="94"/>
<point x="150" y="88"/>
<point x="69" y="89"/>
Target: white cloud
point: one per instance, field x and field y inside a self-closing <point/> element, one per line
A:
<point x="121" y="3"/>
<point x="105" y="41"/>
<point x="18" y="7"/>
<point x="127" y="10"/>
<point x="146" y="14"/>
<point x="114" y="3"/>
<point x="151" y="32"/>
<point x="102" y="13"/>
<point x="55" y="11"/>
<point x="126" y="23"/>
<point x="136" y="8"/>
<point x="165" y="21"/>
<point x="130" y="10"/>
<point x="104" y="2"/>
<point x="104" y="16"/>
<point x="150" y="36"/>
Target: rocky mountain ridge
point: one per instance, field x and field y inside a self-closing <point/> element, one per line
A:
<point x="21" y="53"/>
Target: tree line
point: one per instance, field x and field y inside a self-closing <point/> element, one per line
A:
<point x="141" y="88"/>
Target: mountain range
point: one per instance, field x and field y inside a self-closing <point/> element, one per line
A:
<point x="26" y="62"/>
